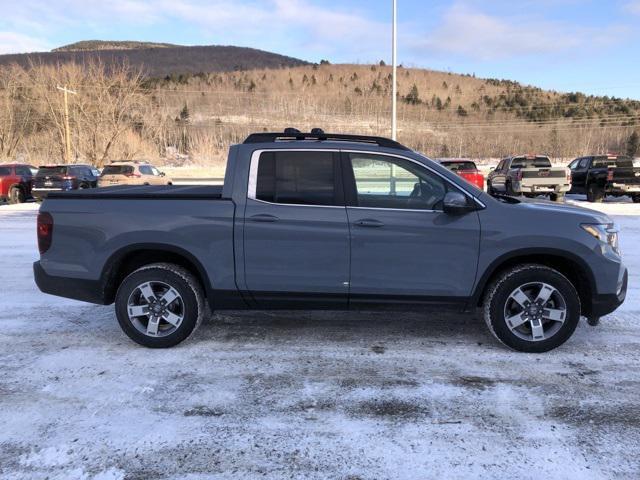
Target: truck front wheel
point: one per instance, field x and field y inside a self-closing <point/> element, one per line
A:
<point x="532" y="308"/>
<point x="160" y="305"/>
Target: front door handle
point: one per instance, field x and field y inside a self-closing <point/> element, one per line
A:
<point x="264" y="217"/>
<point x="369" y="222"/>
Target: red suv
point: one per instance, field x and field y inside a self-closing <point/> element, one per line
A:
<point x="15" y="182"/>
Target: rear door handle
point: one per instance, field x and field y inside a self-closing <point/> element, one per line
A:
<point x="264" y="217"/>
<point x="369" y="222"/>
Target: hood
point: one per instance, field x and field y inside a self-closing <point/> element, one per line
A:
<point x="586" y="215"/>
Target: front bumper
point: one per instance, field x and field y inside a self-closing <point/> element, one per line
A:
<point x="606" y="303"/>
<point x="91" y="291"/>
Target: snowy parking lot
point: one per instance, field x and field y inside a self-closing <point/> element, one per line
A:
<point x="309" y="395"/>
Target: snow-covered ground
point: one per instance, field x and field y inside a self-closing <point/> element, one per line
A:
<point x="301" y="395"/>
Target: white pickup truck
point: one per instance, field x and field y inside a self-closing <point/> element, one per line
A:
<point x="529" y="175"/>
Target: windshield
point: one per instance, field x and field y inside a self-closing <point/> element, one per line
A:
<point x="44" y="171"/>
<point x="538" y="162"/>
<point x="117" y="170"/>
<point x="624" y="162"/>
<point x="460" y="166"/>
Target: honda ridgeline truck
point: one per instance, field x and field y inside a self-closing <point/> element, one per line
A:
<point x="336" y="222"/>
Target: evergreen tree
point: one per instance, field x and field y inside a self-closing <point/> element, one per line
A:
<point x="633" y="143"/>
<point x="413" y="97"/>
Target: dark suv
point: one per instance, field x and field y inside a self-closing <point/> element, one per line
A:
<point x="60" y="178"/>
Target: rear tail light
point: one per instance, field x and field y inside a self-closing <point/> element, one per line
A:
<point x="45" y="231"/>
<point x="568" y="173"/>
<point x="610" y="175"/>
<point x="519" y="175"/>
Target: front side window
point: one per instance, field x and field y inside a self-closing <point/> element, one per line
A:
<point x="390" y="182"/>
<point x="584" y="163"/>
<point x="155" y="171"/>
<point x="145" y="170"/>
<point x="297" y="178"/>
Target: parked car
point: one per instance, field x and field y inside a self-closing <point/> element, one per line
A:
<point x="132" y="173"/>
<point x="467" y="169"/>
<point x="63" y="178"/>
<point x="15" y="182"/>
<point x="316" y="220"/>
<point x="529" y="175"/>
<point x="601" y="175"/>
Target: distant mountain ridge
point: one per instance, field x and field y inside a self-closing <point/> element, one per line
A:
<point x="91" y="45"/>
<point x="160" y="60"/>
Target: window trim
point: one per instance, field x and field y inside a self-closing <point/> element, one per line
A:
<point x="252" y="184"/>
<point x="253" y="178"/>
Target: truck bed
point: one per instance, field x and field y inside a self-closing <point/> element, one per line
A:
<point x="133" y="192"/>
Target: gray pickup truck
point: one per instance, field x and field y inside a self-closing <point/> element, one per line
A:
<point x="529" y="175"/>
<point x="335" y="222"/>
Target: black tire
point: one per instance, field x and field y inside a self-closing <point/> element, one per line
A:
<point x="594" y="193"/>
<point x="636" y="198"/>
<point x="16" y="195"/>
<point x="509" y="190"/>
<point x="490" y="189"/>
<point x="191" y="303"/>
<point x="498" y="296"/>
<point x="557" y="197"/>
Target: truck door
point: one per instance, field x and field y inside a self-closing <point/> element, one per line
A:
<point x="499" y="177"/>
<point x="579" y="175"/>
<point x="404" y="248"/>
<point x="296" y="235"/>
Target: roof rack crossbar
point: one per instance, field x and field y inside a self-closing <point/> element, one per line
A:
<point x="289" y="135"/>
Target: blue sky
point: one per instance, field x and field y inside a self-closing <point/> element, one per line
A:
<point x="566" y="45"/>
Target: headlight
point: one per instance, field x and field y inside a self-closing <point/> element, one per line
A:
<point x="605" y="232"/>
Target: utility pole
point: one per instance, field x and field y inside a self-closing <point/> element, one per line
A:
<point x="394" y="88"/>
<point x="67" y="131"/>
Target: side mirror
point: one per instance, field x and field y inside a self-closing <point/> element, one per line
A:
<point x="455" y="203"/>
<point x="162" y="174"/>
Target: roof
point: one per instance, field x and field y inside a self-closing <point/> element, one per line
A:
<point x="129" y="162"/>
<point x="318" y="135"/>
<point x="14" y="164"/>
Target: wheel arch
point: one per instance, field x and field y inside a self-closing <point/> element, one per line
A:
<point x="571" y="266"/>
<point x="130" y="258"/>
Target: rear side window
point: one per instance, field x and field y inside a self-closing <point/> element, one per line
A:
<point x="46" y="171"/>
<point x="297" y="178"/>
<point x="117" y="170"/>
<point x="5" y="171"/>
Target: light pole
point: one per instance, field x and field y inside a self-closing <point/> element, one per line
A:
<point x="67" y="132"/>
<point x="394" y="88"/>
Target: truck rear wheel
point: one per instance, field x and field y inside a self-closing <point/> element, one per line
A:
<point x="532" y="308"/>
<point x="160" y="305"/>
<point x="594" y="193"/>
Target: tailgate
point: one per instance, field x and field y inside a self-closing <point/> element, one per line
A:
<point x="544" y="176"/>
<point x="48" y="182"/>
<point x="626" y="175"/>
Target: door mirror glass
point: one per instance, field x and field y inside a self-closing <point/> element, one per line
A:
<point x="456" y="203"/>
